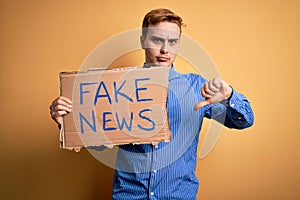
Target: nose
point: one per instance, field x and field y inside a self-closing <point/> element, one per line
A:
<point x="164" y="48"/>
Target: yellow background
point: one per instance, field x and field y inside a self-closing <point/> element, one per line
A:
<point x="255" y="45"/>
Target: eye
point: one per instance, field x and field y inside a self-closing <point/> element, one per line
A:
<point x="157" y="40"/>
<point x="173" y="41"/>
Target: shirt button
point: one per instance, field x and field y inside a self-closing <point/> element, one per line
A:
<point x="152" y="193"/>
<point x="232" y="105"/>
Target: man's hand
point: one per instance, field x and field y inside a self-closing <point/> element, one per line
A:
<point x="59" y="107"/>
<point x="214" y="91"/>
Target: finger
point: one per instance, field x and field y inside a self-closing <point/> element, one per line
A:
<point x="216" y="82"/>
<point x="58" y="113"/>
<point x="61" y="108"/>
<point x="210" y="89"/>
<point x="213" y="87"/>
<point x="67" y="100"/>
<point x="61" y="101"/>
<point x="201" y="104"/>
<point x="64" y="108"/>
<point x="57" y="117"/>
<point x="62" y="113"/>
<point x="204" y="93"/>
<point x="57" y="107"/>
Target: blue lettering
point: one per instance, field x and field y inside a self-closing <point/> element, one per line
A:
<point x="107" y="120"/>
<point x="92" y="126"/>
<point x="117" y="91"/>
<point x="137" y="89"/>
<point x="121" y="126"/>
<point x="84" y="92"/>
<point x="101" y="95"/>
<point x="146" y="118"/>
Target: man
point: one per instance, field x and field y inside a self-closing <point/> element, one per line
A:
<point x="167" y="171"/>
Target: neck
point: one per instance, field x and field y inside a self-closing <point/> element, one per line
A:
<point x="147" y="65"/>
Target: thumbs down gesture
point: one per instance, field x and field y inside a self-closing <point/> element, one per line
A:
<point x="214" y="91"/>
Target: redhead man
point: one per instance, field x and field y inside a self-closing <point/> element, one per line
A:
<point x="167" y="171"/>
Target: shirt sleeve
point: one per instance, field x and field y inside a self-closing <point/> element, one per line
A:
<point x="235" y="112"/>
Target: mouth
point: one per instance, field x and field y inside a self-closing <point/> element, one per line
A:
<point x="162" y="59"/>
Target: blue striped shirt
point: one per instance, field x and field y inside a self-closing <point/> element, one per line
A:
<point x="167" y="171"/>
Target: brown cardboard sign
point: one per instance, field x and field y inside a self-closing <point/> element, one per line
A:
<point x="115" y="106"/>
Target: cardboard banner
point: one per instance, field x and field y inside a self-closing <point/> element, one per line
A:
<point x="115" y="106"/>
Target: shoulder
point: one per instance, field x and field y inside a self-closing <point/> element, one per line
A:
<point x="195" y="79"/>
<point x="190" y="81"/>
<point x="189" y="76"/>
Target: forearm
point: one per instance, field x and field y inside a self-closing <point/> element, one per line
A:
<point x="239" y="113"/>
<point x="235" y="112"/>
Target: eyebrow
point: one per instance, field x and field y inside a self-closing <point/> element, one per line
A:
<point x="158" y="37"/>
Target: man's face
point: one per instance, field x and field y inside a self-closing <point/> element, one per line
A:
<point x="161" y="43"/>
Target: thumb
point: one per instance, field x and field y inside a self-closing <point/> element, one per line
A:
<point x="202" y="104"/>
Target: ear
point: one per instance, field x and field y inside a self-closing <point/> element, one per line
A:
<point x="142" y="41"/>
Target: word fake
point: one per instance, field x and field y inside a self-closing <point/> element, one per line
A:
<point x="95" y="93"/>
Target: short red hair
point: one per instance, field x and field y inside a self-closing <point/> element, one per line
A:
<point x="160" y="15"/>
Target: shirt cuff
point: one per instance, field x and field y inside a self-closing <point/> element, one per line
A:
<point x="233" y="100"/>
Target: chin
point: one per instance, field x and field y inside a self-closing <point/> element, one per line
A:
<point x="164" y="64"/>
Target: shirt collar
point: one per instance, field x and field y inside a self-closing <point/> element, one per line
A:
<point x="172" y="73"/>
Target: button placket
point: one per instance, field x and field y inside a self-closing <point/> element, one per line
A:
<point x="153" y="172"/>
